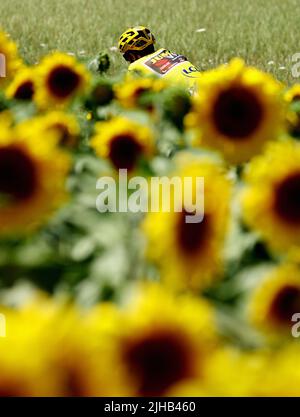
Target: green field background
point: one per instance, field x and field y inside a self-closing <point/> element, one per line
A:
<point x="265" y="32"/>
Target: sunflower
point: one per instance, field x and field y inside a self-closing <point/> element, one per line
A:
<point x="32" y="180"/>
<point x="103" y="324"/>
<point x="259" y="373"/>
<point x="133" y="91"/>
<point x="9" y="59"/>
<point x="101" y="93"/>
<point x="234" y="372"/>
<point x="71" y="355"/>
<point x="281" y="373"/>
<point x="293" y="124"/>
<point x="236" y="111"/>
<point x="23" y="85"/>
<point x="24" y="368"/>
<point x="59" y="79"/>
<point x="48" y="352"/>
<point x="189" y="255"/>
<point x="6" y="119"/>
<point x="159" y="341"/>
<point x="63" y="125"/>
<point x="123" y="141"/>
<point x="292" y="97"/>
<point x="271" y="198"/>
<point x="191" y="388"/>
<point x="275" y="300"/>
<point x="68" y="352"/>
<point x="292" y="94"/>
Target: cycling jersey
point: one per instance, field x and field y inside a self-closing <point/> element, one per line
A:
<point x="172" y="67"/>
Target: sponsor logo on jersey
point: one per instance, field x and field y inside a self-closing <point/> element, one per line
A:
<point x="164" y="61"/>
<point x="191" y="72"/>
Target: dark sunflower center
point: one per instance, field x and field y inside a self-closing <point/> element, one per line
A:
<point x="73" y="382"/>
<point x="287" y="199"/>
<point x="237" y="113"/>
<point x="124" y="152"/>
<point x="285" y="304"/>
<point x="11" y="390"/>
<point x="191" y="236"/>
<point x="103" y="94"/>
<point x="25" y="91"/>
<point x="158" y="361"/>
<point x="296" y="98"/>
<point x="63" y="81"/>
<point x="65" y="138"/>
<point x="18" y="177"/>
<point x="144" y="99"/>
<point x="294" y="128"/>
<point x="140" y="91"/>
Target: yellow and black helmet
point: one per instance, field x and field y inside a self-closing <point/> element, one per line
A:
<point x="135" y="39"/>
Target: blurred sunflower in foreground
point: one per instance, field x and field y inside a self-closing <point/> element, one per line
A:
<point x="292" y="94"/>
<point x="154" y="344"/>
<point x="132" y="93"/>
<point x="13" y="62"/>
<point x="232" y="372"/>
<point x="23" y="86"/>
<point x="32" y="180"/>
<point x="124" y="142"/>
<point x="101" y="93"/>
<point x="292" y="97"/>
<point x="59" y="79"/>
<point x="275" y="300"/>
<point x="48" y="352"/>
<point x="236" y="111"/>
<point x="271" y="197"/>
<point x="190" y="255"/>
<point x="6" y="119"/>
<point x="214" y="315"/>
<point x="64" y="126"/>
<point x="159" y="341"/>
<point x="281" y="373"/>
<point x="256" y="373"/>
<point x="25" y="371"/>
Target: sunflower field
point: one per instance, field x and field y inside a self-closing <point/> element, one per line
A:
<point x="144" y="304"/>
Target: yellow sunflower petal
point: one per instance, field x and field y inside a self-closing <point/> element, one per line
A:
<point x="236" y="111"/>
<point x="32" y="179"/>
<point x="189" y="255"/>
<point x="59" y="79"/>
<point x="123" y="142"/>
<point x="270" y="200"/>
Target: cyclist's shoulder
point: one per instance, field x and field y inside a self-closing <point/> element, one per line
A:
<point x="136" y="64"/>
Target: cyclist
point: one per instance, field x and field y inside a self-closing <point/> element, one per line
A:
<point x="137" y="46"/>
